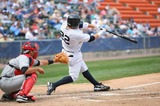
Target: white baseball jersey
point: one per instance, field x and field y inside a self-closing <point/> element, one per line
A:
<point x="72" y="41"/>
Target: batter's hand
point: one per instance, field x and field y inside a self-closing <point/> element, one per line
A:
<point x="101" y="32"/>
<point x="61" y="57"/>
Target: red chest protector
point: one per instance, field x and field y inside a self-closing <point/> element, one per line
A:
<point x="31" y="62"/>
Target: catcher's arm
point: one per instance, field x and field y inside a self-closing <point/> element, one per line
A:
<point x="44" y="62"/>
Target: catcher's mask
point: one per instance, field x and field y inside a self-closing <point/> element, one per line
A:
<point x="28" y="46"/>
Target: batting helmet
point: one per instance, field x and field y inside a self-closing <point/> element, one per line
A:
<point x="73" y="20"/>
<point x="28" y="46"/>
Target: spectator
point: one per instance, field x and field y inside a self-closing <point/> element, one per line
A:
<point x="123" y="27"/>
<point x="18" y="13"/>
<point x="150" y="32"/>
<point x="158" y="10"/>
<point x="41" y="34"/>
<point x="46" y="30"/>
<point x="32" y="15"/>
<point x="129" y="31"/>
<point x="15" y="4"/>
<point x="136" y="32"/>
<point x="4" y="31"/>
<point x="1" y="35"/>
<point x="141" y="29"/>
<point x="5" y="19"/>
<point x="55" y="19"/>
<point x="17" y="29"/>
<point x="42" y="13"/>
<point x="34" y="25"/>
<point x="158" y="31"/>
<point x="56" y="14"/>
<point x="155" y="31"/>
<point x="50" y="6"/>
<point x="31" y="34"/>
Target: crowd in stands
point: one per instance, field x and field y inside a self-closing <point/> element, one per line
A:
<point x="41" y="19"/>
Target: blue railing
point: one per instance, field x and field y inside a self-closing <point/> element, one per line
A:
<point x="50" y="47"/>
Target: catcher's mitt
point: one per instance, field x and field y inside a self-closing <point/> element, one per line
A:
<point x="61" y="57"/>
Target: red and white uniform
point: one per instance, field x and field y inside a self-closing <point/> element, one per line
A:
<point x="11" y="77"/>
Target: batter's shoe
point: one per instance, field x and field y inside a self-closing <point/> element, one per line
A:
<point x="101" y="87"/>
<point x="7" y="97"/>
<point x="50" y="87"/>
<point x="25" y="99"/>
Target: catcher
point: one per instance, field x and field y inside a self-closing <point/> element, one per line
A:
<point x="19" y="75"/>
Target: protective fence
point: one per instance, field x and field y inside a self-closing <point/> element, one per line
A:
<point x="50" y="47"/>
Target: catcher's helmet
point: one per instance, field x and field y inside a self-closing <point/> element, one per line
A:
<point x="28" y="46"/>
<point x="73" y="20"/>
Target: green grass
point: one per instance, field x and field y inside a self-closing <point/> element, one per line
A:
<point x="105" y="69"/>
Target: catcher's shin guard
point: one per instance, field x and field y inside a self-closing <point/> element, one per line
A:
<point x="28" y="84"/>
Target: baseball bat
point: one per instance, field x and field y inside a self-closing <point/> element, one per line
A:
<point x="124" y="37"/>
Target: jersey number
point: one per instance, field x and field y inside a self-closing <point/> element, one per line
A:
<point x="65" y="38"/>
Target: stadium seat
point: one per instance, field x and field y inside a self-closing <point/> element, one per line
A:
<point x="157" y="2"/>
<point x="141" y="10"/>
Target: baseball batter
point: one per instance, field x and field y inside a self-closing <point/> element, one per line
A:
<point x="19" y="76"/>
<point x="72" y="39"/>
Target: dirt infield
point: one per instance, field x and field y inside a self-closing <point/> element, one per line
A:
<point x="132" y="91"/>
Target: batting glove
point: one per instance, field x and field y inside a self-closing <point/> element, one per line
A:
<point x="101" y="32"/>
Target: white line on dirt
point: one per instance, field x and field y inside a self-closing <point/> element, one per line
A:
<point x="123" y="99"/>
<point x="137" y="86"/>
<point x="137" y="98"/>
<point x="128" y="94"/>
<point x="91" y="100"/>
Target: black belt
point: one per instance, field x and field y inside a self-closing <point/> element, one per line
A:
<point x="70" y="56"/>
<point x="10" y="65"/>
<point x="5" y="77"/>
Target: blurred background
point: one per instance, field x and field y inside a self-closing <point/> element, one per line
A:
<point x="40" y="21"/>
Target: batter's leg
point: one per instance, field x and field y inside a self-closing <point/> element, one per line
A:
<point x="52" y="86"/>
<point x="90" y="78"/>
<point x="73" y="76"/>
<point x="97" y="86"/>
